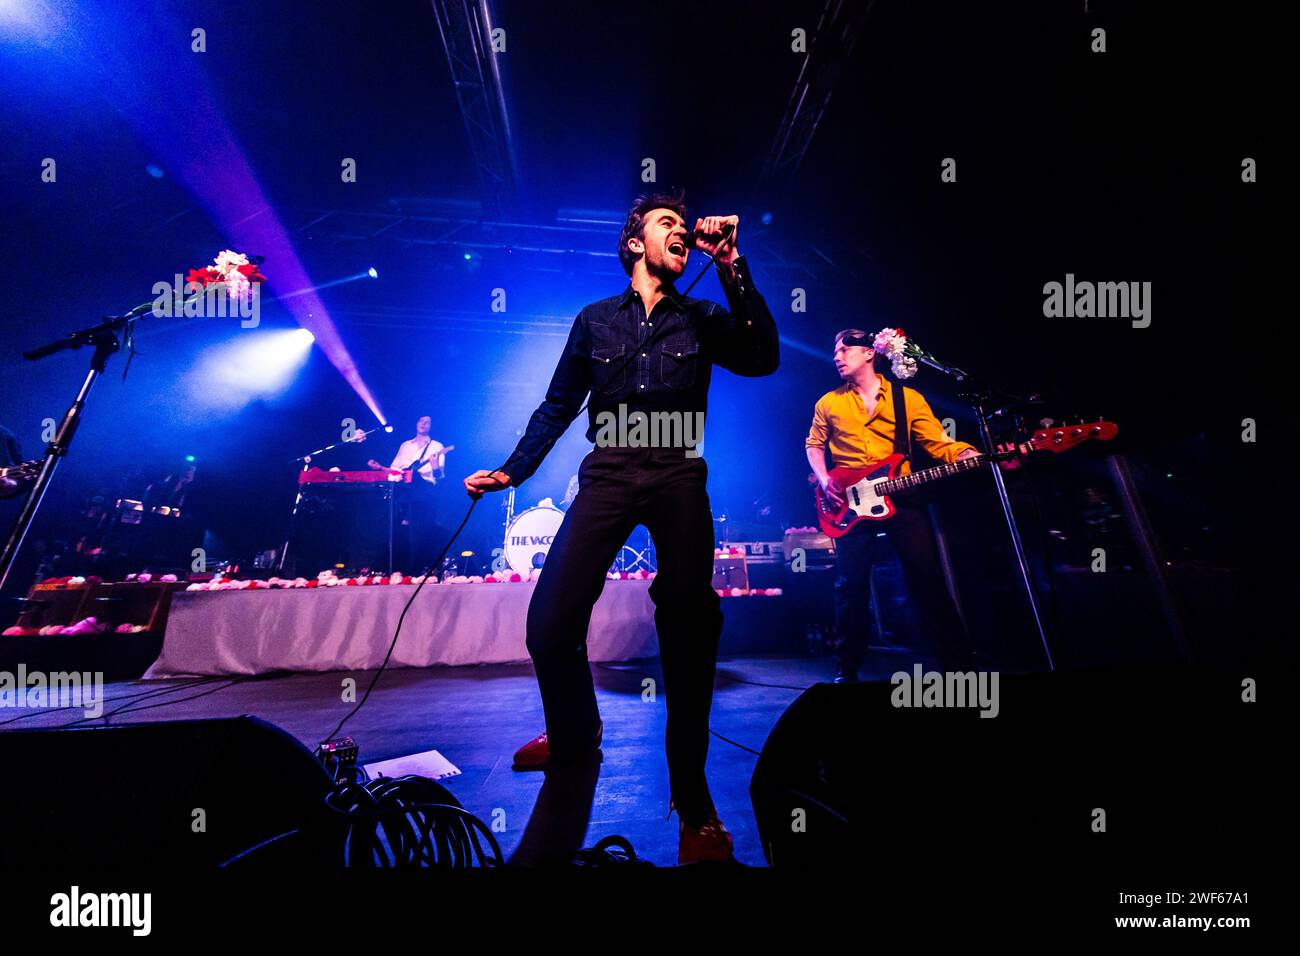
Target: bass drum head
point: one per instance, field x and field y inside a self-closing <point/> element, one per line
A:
<point x="529" y="537"/>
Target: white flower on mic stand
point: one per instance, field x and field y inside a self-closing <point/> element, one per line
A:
<point x="228" y="259"/>
<point x="901" y="352"/>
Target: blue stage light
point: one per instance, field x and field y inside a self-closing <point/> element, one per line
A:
<point x="372" y="272"/>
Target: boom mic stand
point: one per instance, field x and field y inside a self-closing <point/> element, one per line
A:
<point x="104" y="339"/>
<point x="978" y="400"/>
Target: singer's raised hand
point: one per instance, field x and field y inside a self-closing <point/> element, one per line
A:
<point x="709" y="240"/>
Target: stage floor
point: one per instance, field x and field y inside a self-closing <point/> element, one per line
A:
<point x="477" y="716"/>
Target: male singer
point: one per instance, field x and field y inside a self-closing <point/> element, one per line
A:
<point x="649" y="349"/>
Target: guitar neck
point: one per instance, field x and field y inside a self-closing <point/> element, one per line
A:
<point x="918" y="478"/>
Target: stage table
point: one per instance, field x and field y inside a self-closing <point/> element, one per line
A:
<point x="350" y="628"/>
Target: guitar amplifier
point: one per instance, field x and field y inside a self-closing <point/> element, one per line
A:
<point x="816" y="548"/>
<point x="760" y="552"/>
<point x="729" y="570"/>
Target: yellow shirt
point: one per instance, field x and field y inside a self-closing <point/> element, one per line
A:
<point x="840" y="423"/>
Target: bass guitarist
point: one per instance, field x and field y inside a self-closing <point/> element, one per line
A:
<point x="857" y="424"/>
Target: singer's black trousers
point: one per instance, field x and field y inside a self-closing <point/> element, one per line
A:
<point x="620" y="488"/>
<point x="912" y="536"/>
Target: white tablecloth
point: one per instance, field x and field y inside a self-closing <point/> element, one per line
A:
<point x="350" y="628"/>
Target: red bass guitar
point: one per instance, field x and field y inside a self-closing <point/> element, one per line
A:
<point x="867" y="491"/>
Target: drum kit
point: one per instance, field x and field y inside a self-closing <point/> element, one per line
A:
<point x="530" y="534"/>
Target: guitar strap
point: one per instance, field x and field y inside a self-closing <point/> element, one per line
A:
<point x="903" y="434"/>
<point x="415" y="466"/>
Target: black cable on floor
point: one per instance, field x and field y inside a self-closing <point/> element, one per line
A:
<point x="392" y="645"/>
<point x="130" y="709"/>
<point x="711" y="730"/>
<point x="143" y="694"/>
<point x="734" y="743"/>
<point x="759" y="683"/>
<point x="734" y="680"/>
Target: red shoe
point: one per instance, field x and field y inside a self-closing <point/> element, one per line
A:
<point x="536" y="754"/>
<point x="709" y="843"/>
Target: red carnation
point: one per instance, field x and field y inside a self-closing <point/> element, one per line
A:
<point x="250" y="273"/>
<point x="313" y="584"/>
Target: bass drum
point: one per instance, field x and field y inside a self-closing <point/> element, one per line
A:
<point x="529" y="537"/>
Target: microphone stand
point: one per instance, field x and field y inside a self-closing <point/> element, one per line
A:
<point x="306" y="464"/>
<point x="978" y="400"/>
<point x="104" y="339"/>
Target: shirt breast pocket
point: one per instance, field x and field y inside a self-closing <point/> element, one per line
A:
<point x="679" y="363"/>
<point x="608" y="369"/>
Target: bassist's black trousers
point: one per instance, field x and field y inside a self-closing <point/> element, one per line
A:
<point x="912" y="536"/>
<point x="620" y="488"/>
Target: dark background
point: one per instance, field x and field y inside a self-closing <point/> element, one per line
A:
<point x="1120" y="166"/>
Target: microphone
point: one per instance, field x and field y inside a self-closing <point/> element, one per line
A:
<point x="727" y="229"/>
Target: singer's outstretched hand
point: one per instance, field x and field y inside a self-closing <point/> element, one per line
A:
<point x="709" y="239"/>
<point x="483" y="481"/>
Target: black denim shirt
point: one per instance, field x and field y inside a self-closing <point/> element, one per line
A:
<point x="656" y="363"/>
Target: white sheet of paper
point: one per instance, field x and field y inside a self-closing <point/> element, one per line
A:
<point x="428" y="764"/>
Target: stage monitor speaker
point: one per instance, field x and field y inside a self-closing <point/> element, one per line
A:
<point x="1147" y="755"/>
<point x="188" y="793"/>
